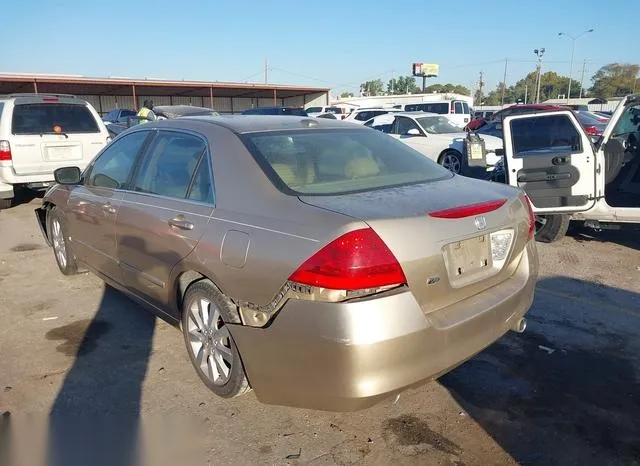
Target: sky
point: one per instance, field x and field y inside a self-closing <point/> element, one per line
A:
<point x="336" y="44"/>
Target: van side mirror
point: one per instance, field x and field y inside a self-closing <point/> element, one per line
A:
<point x="413" y="132"/>
<point x="67" y="175"/>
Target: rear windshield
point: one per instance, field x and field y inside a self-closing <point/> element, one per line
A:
<point x="441" y="108"/>
<point x="43" y="118"/>
<point x="332" y="162"/>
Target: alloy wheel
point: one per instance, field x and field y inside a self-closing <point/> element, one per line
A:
<point x="451" y="162"/>
<point x="59" y="246"/>
<point x="210" y="341"/>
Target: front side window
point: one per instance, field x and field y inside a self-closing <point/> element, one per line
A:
<point x="545" y="135"/>
<point x="331" y="162"/>
<point x="364" y="116"/>
<point x="437" y="125"/>
<point x="43" y="118"/>
<point x="629" y="121"/>
<point x="314" y="110"/>
<point x="458" y="108"/>
<point x="404" y="125"/>
<point x="169" y="165"/>
<point x="113" y="166"/>
<point x="465" y="108"/>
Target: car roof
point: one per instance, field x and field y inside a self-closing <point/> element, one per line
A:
<point x="259" y="123"/>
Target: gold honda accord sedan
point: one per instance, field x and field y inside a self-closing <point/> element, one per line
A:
<point x="322" y="264"/>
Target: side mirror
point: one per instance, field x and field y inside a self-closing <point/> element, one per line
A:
<point x="413" y="132"/>
<point x="499" y="152"/>
<point x="67" y="175"/>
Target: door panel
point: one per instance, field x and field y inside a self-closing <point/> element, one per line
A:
<point x="92" y="213"/>
<point x="552" y="160"/>
<point x="153" y="234"/>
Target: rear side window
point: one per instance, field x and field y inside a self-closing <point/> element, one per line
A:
<point x="364" y="116"/>
<point x="43" y="118"/>
<point x="545" y="135"/>
<point x="465" y="108"/>
<point x="314" y="110"/>
<point x="169" y="165"/>
<point x="113" y="166"/>
<point x="1" y="107"/>
<point x="442" y="108"/>
<point x="335" y="162"/>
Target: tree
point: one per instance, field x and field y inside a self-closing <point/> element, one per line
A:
<point x="450" y="88"/>
<point x="615" y="80"/>
<point x="551" y="86"/>
<point x="346" y="95"/>
<point x="369" y="88"/>
<point x="403" y="85"/>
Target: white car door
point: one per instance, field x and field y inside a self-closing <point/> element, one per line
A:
<point x="550" y="157"/>
<point x="619" y="158"/>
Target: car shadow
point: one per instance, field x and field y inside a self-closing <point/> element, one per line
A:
<point x="96" y="412"/>
<point x="567" y="391"/>
<point x="628" y="238"/>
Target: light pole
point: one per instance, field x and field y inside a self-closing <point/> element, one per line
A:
<point x="539" y="53"/>
<point x="573" y="48"/>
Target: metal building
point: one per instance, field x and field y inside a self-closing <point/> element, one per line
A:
<point x="106" y="94"/>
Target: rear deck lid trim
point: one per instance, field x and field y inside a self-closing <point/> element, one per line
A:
<point x="469" y="210"/>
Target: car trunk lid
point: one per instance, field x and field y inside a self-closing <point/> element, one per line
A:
<point x="446" y="254"/>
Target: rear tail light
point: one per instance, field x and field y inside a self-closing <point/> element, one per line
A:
<point x="452" y="109"/>
<point x="532" y="217"/>
<point x="592" y="131"/>
<point x="357" y="260"/>
<point x="50" y="99"/>
<point x="5" y="150"/>
<point x="469" y="210"/>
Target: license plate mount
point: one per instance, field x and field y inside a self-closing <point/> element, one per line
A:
<point x="468" y="258"/>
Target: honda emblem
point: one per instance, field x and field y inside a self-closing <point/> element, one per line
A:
<point x="480" y="222"/>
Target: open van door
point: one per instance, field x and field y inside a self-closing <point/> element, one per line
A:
<point x="550" y="157"/>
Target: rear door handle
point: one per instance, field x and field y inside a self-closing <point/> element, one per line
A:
<point x="180" y="222"/>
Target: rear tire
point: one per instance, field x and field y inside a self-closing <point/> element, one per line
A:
<point x="6" y="203"/>
<point x="57" y="232"/>
<point x="550" y="228"/>
<point x="211" y="348"/>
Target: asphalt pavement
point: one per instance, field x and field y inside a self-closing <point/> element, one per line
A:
<point x="94" y="372"/>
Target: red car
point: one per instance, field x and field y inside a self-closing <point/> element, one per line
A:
<point x="513" y="110"/>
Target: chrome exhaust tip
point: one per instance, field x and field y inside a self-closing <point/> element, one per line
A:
<point x="520" y="325"/>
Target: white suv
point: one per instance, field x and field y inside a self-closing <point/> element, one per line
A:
<point x="42" y="132"/>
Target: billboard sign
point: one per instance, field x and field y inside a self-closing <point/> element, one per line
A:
<point x="426" y="70"/>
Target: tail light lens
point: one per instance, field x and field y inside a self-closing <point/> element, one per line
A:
<point x="452" y="109"/>
<point x="532" y="217"/>
<point x="354" y="261"/>
<point x="592" y="131"/>
<point x="5" y="150"/>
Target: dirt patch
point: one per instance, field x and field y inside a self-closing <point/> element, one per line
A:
<point x="410" y="431"/>
<point x="79" y="338"/>
<point x="26" y="247"/>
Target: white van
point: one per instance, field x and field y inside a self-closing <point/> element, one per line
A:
<point x="567" y="177"/>
<point x="457" y="111"/>
<point x="42" y="132"/>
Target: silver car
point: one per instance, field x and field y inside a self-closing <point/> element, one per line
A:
<point x="322" y="264"/>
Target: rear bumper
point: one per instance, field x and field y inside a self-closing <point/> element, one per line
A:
<point x="348" y="356"/>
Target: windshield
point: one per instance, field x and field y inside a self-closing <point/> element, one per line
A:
<point x="437" y="125"/>
<point x="43" y="118"/>
<point x="332" y="162"/>
<point x="314" y="110"/>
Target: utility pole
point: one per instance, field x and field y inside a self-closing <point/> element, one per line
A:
<point x="504" y="81"/>
<point x="526" y="93"/>
<point x="573" y="49"/>
<point x="481" y="85"/>
<point x="266" y="71"/>
<point x="539" y="53"/>
<point x="584" y="65"/>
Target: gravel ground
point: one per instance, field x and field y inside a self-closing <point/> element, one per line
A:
<point x="567" y="391"/>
